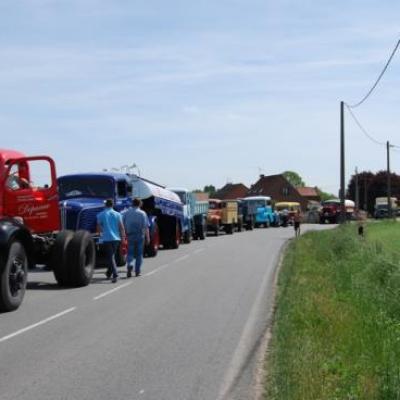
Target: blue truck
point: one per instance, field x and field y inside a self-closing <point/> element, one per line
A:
<point x="82" y="197"/>
<point x="194" y="215"/>
<point x="257" y="211"/>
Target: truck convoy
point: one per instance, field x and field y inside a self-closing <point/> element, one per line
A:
<point x="82" y="197"/>
<point x="194" y="225"/>
<point x="31" y="232"/>
<point x="381" y="209"/>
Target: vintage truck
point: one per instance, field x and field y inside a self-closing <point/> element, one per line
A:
<point x="194" y="215"/>
<point x="259" y="211"/>
<point x="82" y="197"/>
<point x="330" y="211"/>
<point x="381" y="209"/>
<point x="222" y="215"/>
<point x="287" y="211"/>
<point x="31" y="232"/>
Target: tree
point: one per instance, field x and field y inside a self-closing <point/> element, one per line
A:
<point x="324" y="195"/>
<point x="371" y="186"/>
<point x="294" y="178"/>
<point x="210" y="189"/>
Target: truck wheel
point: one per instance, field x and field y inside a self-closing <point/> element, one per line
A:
<point x="58" y="257"/>
<point x="229" y="229"/>
<point x="13" y="276"/>
<point x="81" y="259"/>
<point x="176" y="241"/>
<point x="216" y="230"/>
<point x="187" y="237"/>
<point x="151" y="249"/>
<point x="202" y="233"/>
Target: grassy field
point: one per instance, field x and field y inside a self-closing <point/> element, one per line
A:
<point x="336" y="332"/>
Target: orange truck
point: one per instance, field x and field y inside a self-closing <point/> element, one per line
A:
<point x="222" y="214"/>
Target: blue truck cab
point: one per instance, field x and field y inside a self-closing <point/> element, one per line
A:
<point x="259" y="210"/>
<point x="82" y="197"/>
<point x="194" y="223"/>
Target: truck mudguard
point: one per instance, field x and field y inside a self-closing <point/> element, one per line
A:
<point x="12" y="229"/>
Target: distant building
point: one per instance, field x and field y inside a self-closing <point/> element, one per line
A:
<point x="201" y="196"/>
<point x="232" y="191"/>
<point x="280" y="189"/>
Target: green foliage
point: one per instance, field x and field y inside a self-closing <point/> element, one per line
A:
<point x="325" y="195"/>
<point x="337" y="325"/>
<point x="294" y="178"/>
<point x="210" y="189"/>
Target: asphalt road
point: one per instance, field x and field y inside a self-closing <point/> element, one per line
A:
<point x="188" y="328"/>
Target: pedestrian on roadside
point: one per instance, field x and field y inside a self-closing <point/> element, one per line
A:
<point x="136" y="226"/>
<point x="297" y="221"/>
<point x="112" y="232"/>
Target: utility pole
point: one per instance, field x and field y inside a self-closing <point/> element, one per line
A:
<point x="389" y="188"/>
<point x="342" y="165"/>
<point x="357" y="197"/>
<point x="365" y="194"/>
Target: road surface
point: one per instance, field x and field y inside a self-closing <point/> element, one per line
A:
<point x="188" y="328"/>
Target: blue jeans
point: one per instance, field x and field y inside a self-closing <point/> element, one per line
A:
<point x="135" y="252"/>
<point x="110" y="249"/>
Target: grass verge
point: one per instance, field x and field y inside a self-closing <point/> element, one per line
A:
<point x="336" y="332"/>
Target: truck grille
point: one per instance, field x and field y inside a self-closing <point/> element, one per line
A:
<point x="87" y="219"/>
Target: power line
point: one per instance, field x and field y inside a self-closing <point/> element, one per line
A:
<point x="379" y="78"/>
<point x="363" y="130"/>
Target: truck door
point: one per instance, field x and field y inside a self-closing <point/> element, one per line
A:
<point x="30" y="193"/>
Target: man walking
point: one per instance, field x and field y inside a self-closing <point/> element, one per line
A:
<point x="111" y="229"/>
<point x="136" y="226"/>
<point x="297" y="221"/>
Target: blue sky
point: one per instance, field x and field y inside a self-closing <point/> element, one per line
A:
<point x="198" y="92"/>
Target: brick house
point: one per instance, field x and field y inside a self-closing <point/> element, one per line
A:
<point x="232" y="191"/>
<point x="280" y="189"/>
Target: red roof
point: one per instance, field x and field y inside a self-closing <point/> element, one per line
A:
<point x="232" y="191"/>
<point x="307" y="191"/>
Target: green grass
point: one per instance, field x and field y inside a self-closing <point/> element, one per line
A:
<point x="336" y="332"/>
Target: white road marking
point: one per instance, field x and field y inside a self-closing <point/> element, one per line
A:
<point x="181" y="258"/>
<point x="198" y="251"/>
<point x="112" y="290"/>
<point x="141" y="392"/>
<point x="246" y="339"/>
<point x="157" y="270"/>
<point x="44" y="321"/>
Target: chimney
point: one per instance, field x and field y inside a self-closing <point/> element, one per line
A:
<point x="262" y="176"/>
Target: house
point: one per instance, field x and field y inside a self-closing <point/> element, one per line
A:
<point x="232" y="191"/>
<point x="280" y="189"/>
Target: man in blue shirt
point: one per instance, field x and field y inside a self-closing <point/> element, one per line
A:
<point x="111" y="229"/>
<point x="136" y="226"/>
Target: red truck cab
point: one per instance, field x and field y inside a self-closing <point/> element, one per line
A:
<point x="30" y="229"/>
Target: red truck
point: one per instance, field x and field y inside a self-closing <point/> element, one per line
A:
<point x="31" y="232"/>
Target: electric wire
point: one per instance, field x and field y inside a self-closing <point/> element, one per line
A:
<point x="394" y="147"/>
<point x="363" y="130"/>
<point x="379" y="78"/>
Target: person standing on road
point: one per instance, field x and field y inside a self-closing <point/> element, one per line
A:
<point x="297" y="221"/>
<point x="112" y="232"/>
<point x="136" y="226"/>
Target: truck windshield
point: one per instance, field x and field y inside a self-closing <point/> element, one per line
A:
<point x="182" y="196"/>
<point x="85" y="187"/>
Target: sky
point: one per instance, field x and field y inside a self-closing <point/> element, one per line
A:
<point x="199" y="92"/>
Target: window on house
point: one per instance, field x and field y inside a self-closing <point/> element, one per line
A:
<point x="285" y="191"/>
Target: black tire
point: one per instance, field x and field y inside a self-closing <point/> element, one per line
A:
<point x="216" y="230"/>
<point x="175" y="240"/>
<point x="58" y="257"/>
<point x="151" y="249"/>
<point x="202" y="232"/>
<point x="81" y="259"/>
<point x="13" y="277"/>
<point x="229" y="229"/>
<point x="187" y="237"/>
